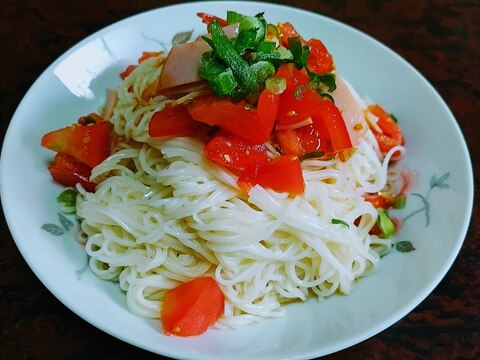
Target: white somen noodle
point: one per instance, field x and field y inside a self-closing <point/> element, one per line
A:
<point x="164" y="214"/>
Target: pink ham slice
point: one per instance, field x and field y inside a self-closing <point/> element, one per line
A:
<point x="351" y="111"/>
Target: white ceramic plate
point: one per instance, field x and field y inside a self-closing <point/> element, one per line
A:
<point x="75" y="85"/>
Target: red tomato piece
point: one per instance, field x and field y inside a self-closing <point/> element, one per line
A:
<point x="208" y="18"/>
<point x="128" y="70"/>
<point x="286" y="30"/>
<point x="319" y="60"/>
<point x="294" y="77"/>
<point x="391" y="134"/>
<point x="234" y="152"/>
<point x="267" y="111"/>
<point x="192" y="307"/>
<point x="90" y="144"/>
<point x="238" y="118"/>
<point x="282" y="174"/>
<point x="329" y="119"/>
<point x="299" y="142"/>
<point x="147" y="55"/>
<point x="298" y="102"/>
<point x="68" y="171"/>
<point x="379" y="201"/>
<point x="172" y="121"/>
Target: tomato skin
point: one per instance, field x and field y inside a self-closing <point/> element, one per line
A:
<point x="238" y="118"/>
<point x="282" y="174"/>
<point x="298" y="102"/>
<point x="172" y="121"/>
<point x="328" y="119"/>
<point x="234" y="152"/>
<point x="128" y="70"/>
<point x="192" y="307"/>
<point x="68" y="171"/>
<point x="319" y="60"/>
<point x="147" y="55"/>
<point x="300" y="141"/>
<point x="378" y="201"/>
<point x="90" y="144"/>
<point x="208" y="18"/>
<point x="267" y="111"/>
<point x="286" y="30"/>
<point x="391" y="134"/>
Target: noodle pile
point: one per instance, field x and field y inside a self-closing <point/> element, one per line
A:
<point x="164" y="214"/>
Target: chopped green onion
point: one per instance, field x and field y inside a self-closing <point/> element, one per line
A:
<point x="266" y="47"/>
<point x="67" y="201"/>
<point x="300" y="52"/>
<point x="404" y="246"/>
<point x="387" y="227"/>
<point x="276" y="85"/>
<point x="339" y="222"/>
<point x="224" y="83"/>
<point x="240" y="68"/>
<point x="400" y="202"/>
<point x="314" y="154"/>
<point x="394" y="118"/>
<point x="245" y="40"/>
<point x="210" y="66"/>
<point x="233" y="17"/>
<point x="257" y="23"/>
<point x="323" y="83"/>
<point x="263" y="70"/>
<point x="272" y="33"/>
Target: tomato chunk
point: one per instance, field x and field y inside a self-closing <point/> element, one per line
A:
<point x="328" y="119"/>
<point x="286" y="30"/>
<point x="300" y="141"/>
<point x="267" y="110"/>
<point x="238" y="118"/>
<point x="89" y="143"/>
<point x="298" y="102"/>
<point x="319" y="60"/>
<point x="147" y="55"/>
<point x="128" y="70"/>
<point x="391" y="134"/>
<point x="234" y="152"/>
<point x="172" y="121"/>
<point x="192" y="307"/>
<point x="282" y="174"/>
<point x="208" y="18"/>
<point x="68" y="171"/>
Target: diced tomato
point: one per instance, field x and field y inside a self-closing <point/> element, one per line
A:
<point x="234" y="152"/>
<point x="147" y="55"/>
<point x="208" y="18"/>
<point x="192" y="307"/>
<point x="68" y="171"/>
<point x="298" y="102"/>
<point x="172" y="121"/>
<point x="300" y="141"/>
<point x="391" y="134"/>
<point x="238" y="118"/>
<point x="124" y="74"/>
<point x="329" y="119"/>
<point x="287" y="30"/>
<point x="319" y="60"/>
<point x="282" y="174"/>
<point x="293" y="76"/>
<point x="378" y="201"/>
<point x="90" y="144"/>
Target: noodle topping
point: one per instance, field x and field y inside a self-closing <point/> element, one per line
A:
<point x="230" y="176"/>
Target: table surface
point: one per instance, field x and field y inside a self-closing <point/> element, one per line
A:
<point x="441" y="38"/>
